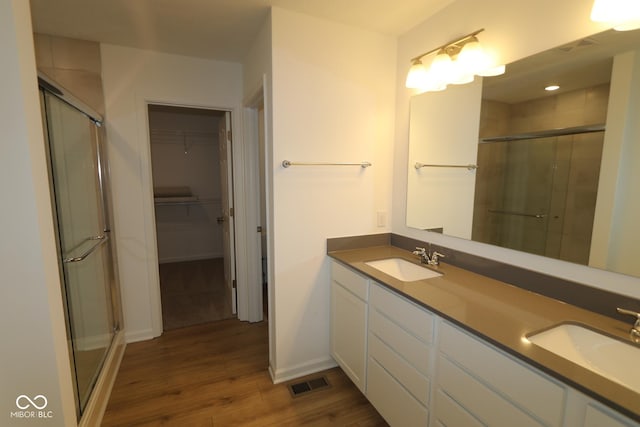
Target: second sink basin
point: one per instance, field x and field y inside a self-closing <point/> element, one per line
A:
<point x="606" y="356"/>
<point x="402" y="269"/>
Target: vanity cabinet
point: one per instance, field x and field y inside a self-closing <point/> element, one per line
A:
<point x="480" y="385"/>
<point x="596" y="415"/>
<point x="584" y="411"/>
<point x="492" y="387"/>
<point x="400" y="353"/>
<point x="349" y="295"/>
<point x="418" y="369"/>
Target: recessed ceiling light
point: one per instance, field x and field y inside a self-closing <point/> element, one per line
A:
<point x="551" y="88"/>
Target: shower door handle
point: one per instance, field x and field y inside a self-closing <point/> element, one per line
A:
<point x="100" y="241"/>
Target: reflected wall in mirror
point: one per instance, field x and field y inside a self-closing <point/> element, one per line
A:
<point x="558" y="172"/>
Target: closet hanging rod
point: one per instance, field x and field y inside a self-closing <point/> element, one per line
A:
<point x="419" y="165"/>
<point x="287" y="163"/>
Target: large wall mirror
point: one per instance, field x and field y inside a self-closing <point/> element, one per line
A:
<point x="555" y="173"/>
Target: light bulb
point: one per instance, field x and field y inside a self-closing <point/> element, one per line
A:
<point x="472" y="57"/>
<point x="460" y="74"/>
<point x="493" y="71"/>
<point x="441" y="68"/>
<point x="431" y="84"/>
<point x="623" y="15"/>
<point x="417" y="75"/>
<point x="628" y="25"/>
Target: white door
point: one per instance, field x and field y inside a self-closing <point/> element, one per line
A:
<point x="226" y="182"/>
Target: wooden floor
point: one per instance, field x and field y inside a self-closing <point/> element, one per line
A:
<point x="193" y="292"/>
<point x="215" y="374"/>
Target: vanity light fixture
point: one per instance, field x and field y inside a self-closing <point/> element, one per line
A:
<point x="551" y="88"/>
<point x="457" y="62"/>
<point x="623" y="15"/>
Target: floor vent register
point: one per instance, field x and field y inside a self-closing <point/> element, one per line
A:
<point x="305" y="387"/>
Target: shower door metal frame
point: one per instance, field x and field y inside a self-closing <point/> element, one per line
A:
<point x="46" y="85"/>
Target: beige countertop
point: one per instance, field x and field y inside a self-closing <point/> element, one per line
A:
<point x="503" y="314"/>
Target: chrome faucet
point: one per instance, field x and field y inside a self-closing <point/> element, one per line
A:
<point x="422" y="254"/>
<point x="635" y="329"/>
<point x="432" y="258"/>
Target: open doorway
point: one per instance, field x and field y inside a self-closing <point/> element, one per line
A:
<point x="191" y="164"/>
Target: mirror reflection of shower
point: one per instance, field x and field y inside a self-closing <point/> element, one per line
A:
<point x="538" y="195"/>
<point x="537" y="183"/>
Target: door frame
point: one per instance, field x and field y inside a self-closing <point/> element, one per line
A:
<point x="250" y="288"/>
<point x="149" y="209"/>
<point x="225" y="139"/>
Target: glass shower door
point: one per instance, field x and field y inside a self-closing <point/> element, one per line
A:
<point x="83" y="240"/>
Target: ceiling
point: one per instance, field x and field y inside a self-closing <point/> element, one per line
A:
<point x="581" y="64"/>
<point x="217" y="29"/>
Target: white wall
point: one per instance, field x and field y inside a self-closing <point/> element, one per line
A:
<point x="132" y="78"/>
<point x="34" y="358"/>
<point x="518" y="30"/>
<point x="333" y="100"/>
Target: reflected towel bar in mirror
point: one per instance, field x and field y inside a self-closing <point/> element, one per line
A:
<point x="287" y="163"/>
<point x="470" y="167"/>
<point x="539" y="216"/>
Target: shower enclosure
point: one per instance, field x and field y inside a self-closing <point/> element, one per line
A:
<point x="78" y="176"/>
<point x="537" y="192"/>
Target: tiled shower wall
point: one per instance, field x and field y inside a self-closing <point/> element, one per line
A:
<point x="74" y="64"/>
<point x="577" y="108"/>
<point x="556" y="176"/>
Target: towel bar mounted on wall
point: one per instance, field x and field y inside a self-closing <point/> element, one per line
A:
<point x="538" y="215"/>
<point x="419" y="165"/>
<point x="287" y="163"/>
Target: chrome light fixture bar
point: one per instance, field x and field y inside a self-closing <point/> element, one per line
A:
<point x="457" y="62"/>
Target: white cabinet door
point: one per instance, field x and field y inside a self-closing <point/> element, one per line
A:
<point x="349" y="331"/>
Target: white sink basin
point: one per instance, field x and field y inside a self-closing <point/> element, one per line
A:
<point x="402" y="269"/>
<point x="599" y="353"/>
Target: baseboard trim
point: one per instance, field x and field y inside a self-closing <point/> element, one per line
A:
<point x="92" y="343"/>
<point x="94" y="411"/>
<point x="308" y="368"/>
<point x="135" y="336"/>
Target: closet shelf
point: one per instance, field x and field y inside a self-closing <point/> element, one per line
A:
<point x="186" y="200"/>
<point x="160" y="136"/>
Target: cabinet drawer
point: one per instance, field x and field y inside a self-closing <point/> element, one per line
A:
<point x="406" y="314"/>
<point x="353" y="282"/>
<point x="414" y="351"/>
<point x="393" y="402"/>
<point x="482" y="402"/>
<point x="523" y="386"/>
<point x="449" y="413"/>
<point x="416" y="383"/>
